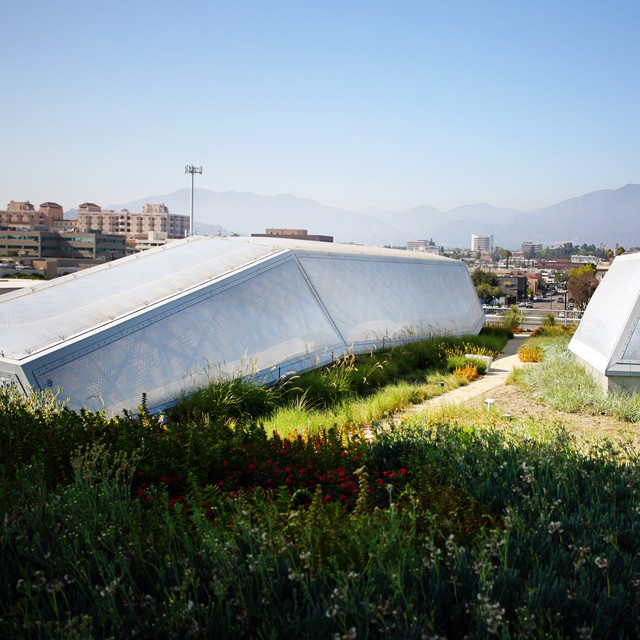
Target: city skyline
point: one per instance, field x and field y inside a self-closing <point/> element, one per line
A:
<point x="356" y="105"/>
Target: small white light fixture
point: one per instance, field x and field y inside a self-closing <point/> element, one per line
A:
<point x="489" y="402"/>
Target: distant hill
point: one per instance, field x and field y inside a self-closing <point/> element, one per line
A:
<point x="606" y="216"/>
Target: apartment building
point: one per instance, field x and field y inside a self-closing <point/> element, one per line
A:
<point x="25" y="214"/>
<point x="154" y="217"/>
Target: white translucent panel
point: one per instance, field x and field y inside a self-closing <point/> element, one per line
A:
<point x="369" y="299"/>
<point x="632" y="351"/>
<point x="163" y="321"/>
<point x="73" y="304"/>
<point x="254" y="325"/>
<point x="607" y="329"/>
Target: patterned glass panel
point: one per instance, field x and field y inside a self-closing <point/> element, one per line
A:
<point x="374" y="298"/>
<point x="632" y="352"/>
<point x="251" y="326"/>
<point x="68" y="306"/>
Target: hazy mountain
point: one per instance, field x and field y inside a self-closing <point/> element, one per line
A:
<point x="607" y="217"/>
<point x="247" y="213"/>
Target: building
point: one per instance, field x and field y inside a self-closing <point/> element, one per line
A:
<point x="151" y="240"/>
<point x="561" y="265"/>
<point x="424" y="245"/>
<point x="607" y="341"/>
<point x="155" y="208"/>
<point x="23" y="214"/>
<point x="481" y="243"/>
<point x="292" y="234"/>
<point x="32" y="243"/>
<point x="528" y="247"/>
<point x="91" y="218"/>
<point x="169" y="320"/>
<point x="578" y="259"/>
<point x="514" y="286"/>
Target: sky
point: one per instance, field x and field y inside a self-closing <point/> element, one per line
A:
<point x="389" y="104"/>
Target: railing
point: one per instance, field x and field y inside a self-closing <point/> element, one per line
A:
<point x="531" y="321"/>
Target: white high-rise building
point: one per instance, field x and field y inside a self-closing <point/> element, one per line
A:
<point x="481" y="243"/>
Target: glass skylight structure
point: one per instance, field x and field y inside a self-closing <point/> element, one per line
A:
<point x="607" y="341"/>
<point x="167" y="320"/>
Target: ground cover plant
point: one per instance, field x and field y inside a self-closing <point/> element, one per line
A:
<point x="458" y="523"/>
<point x="451" y="525"/>
<point x="562" y="383"/>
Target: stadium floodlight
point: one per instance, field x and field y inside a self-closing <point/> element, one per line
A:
<point x="192" y="170"/>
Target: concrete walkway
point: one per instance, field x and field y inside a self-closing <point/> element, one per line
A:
<point x="496" y="376"/>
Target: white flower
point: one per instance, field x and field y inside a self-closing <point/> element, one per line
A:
<point x="555" y="527"/>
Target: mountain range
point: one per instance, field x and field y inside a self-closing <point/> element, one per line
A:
<point x="606" y="217"/>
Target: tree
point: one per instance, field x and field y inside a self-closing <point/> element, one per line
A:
<point x="582" y="283"/>
<point x="507" y="255"/>
<point x="487" y="285"/>
<point x="480" y="276"/>
<point x="619" y="251"/>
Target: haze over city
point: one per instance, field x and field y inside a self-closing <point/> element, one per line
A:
<point x="388" y="105"/>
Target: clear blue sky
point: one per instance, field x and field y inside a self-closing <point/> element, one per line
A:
<point x="351" y="103"/>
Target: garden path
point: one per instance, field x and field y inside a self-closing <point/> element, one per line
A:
<point x="495" y="377"/>
<point x="514" y="401"/>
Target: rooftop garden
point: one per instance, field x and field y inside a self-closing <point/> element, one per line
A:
<point x="212" y="521"/>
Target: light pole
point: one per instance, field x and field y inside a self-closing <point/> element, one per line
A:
<point x="191" y="169"/>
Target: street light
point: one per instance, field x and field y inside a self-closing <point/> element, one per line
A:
<point x="192" y="170"/>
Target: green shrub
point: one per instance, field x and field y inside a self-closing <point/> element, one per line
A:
<point x="496" y="331"/>
<point x="225" y="399"/>
<point x="512" y="319"/>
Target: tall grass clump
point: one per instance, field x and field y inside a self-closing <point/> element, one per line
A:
<point x="236" y="398"/>
<point x="512" y="319"/>
<point x="497" y="332"/>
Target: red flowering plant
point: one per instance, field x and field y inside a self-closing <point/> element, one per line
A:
<point x="297" y="466"/>
<point x="287" y="467"/>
